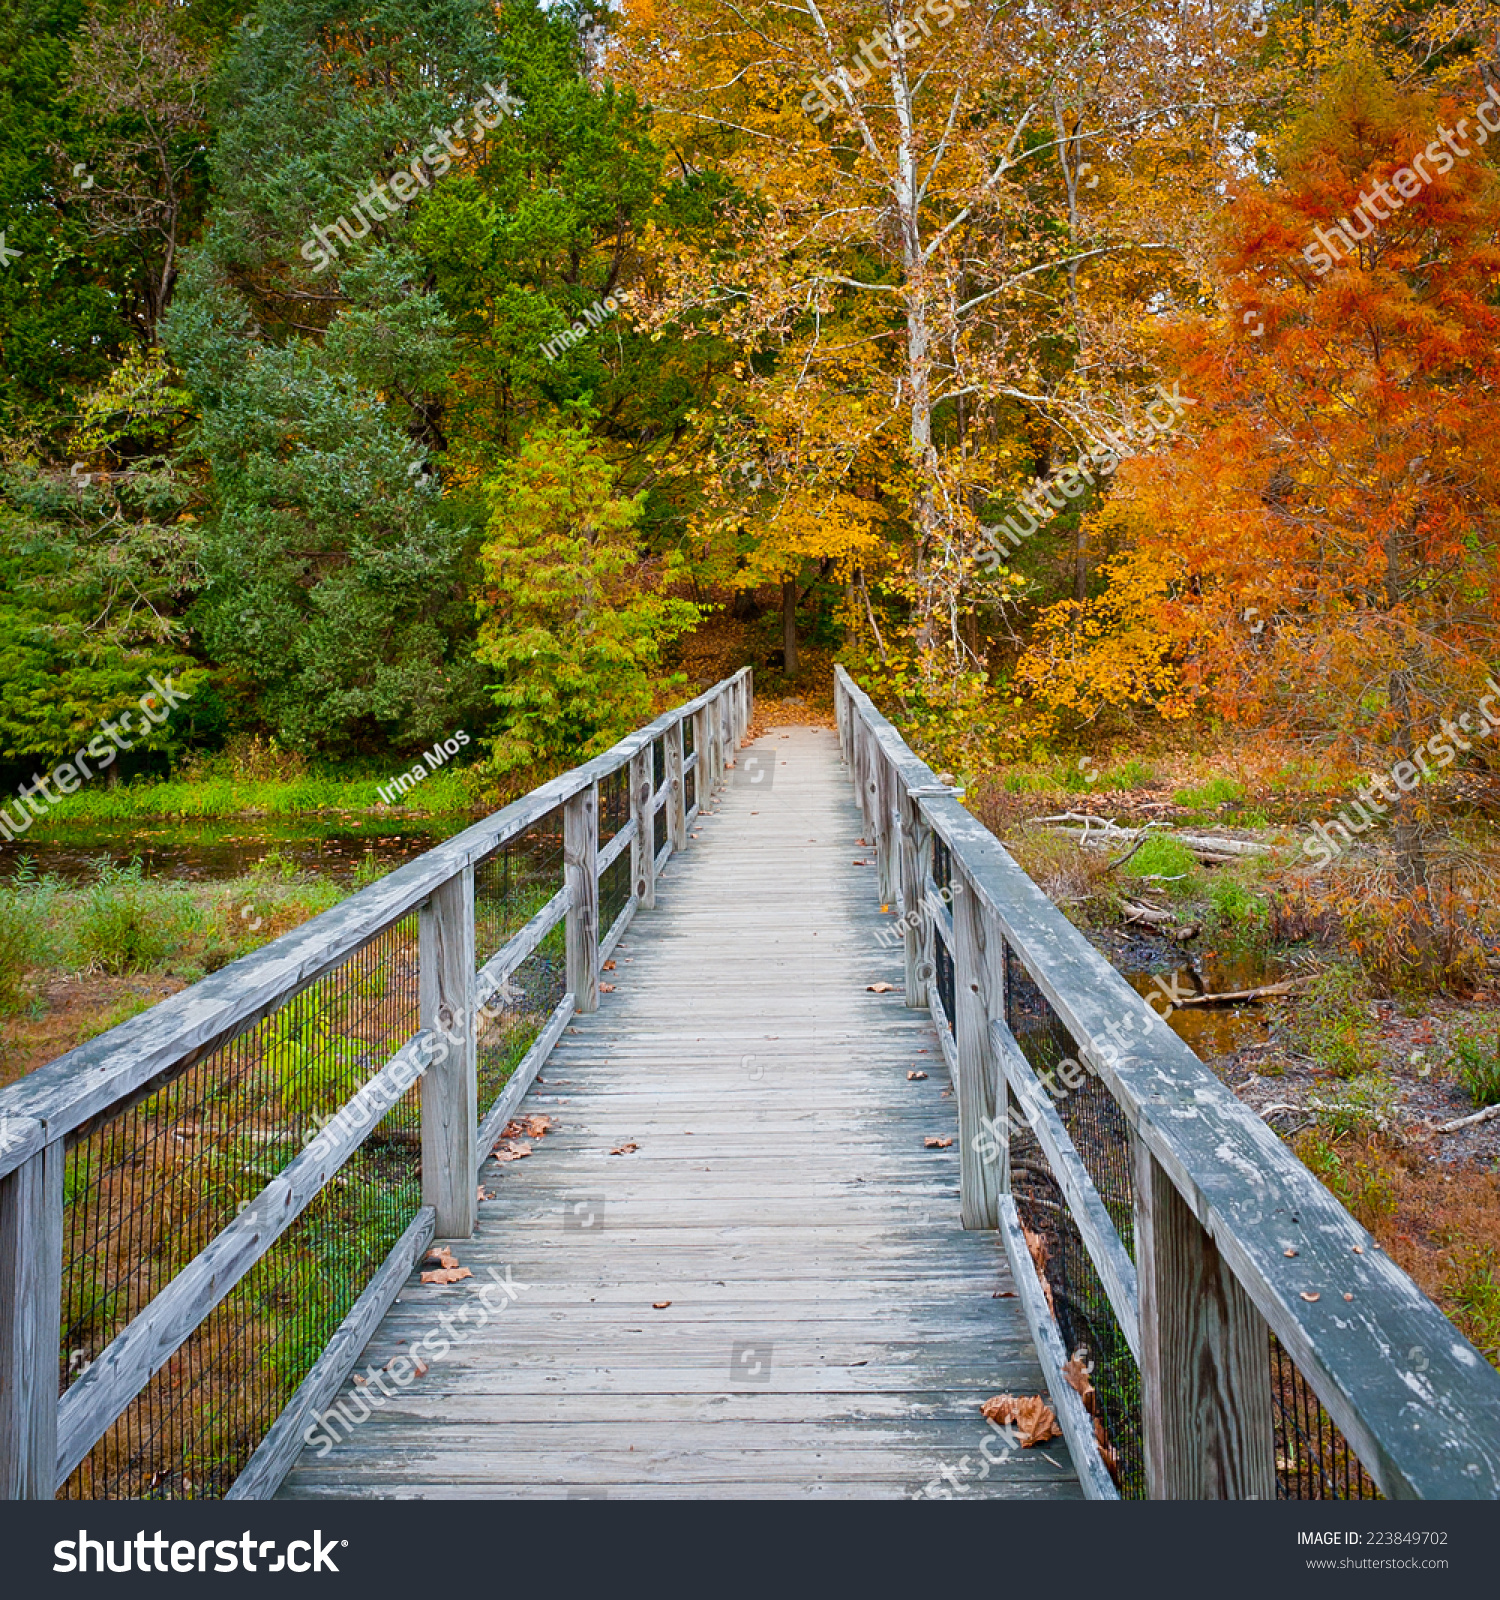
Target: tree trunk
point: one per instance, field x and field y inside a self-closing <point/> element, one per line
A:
<point x="789" y="626"/>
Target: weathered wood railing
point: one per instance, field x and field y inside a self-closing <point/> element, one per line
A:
<point x="1234" y="1239"/>
<point x="43" y="1438"/>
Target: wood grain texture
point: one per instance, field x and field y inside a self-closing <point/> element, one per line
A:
<point x="978" y="995"/>
<point x="832" y="1330"/>
<point x="581" y="876"/>
<point x="642" y="856"/>
<point x="450" y="1090"/>
<point x="31" y="1228"/>
<point x="1205" y="1358"/>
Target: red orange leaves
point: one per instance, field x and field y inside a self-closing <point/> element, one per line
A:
<point x="1031" y="1416"/>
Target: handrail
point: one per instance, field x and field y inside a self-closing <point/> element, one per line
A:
<point x="43" y="1438"/>
<point x="1234" y="1236"/>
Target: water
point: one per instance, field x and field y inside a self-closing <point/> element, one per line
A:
<point x="1208" y="1030"/>
<point x="205" y="852"/>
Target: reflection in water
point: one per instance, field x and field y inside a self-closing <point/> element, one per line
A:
<point x="1208" y="1030"/>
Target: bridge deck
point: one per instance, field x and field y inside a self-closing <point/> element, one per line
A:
<point x="831" y="1330"/>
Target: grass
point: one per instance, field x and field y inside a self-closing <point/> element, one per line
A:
<point x="1476" y="1063"/>
<point x="1077" y="776"/>
<point x="1163" y="857"/>
<point x="1332" y="1024"/>
<point x="446" y="791"/>
<point x="123" y="922"/>
<point x="1206" y="796"/>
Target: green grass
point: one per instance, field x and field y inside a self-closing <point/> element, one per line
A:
<point x="448" y="790"/>
<point x="1476" y="1296"/>
<point x="1161" y="856"/>
<point x="1237" y="908"/>
<point x="1077" y="775"/>
<point x="1332" y="1024"/>
<point x="1216" y="792"/>
<point x="1476" y="1064"/>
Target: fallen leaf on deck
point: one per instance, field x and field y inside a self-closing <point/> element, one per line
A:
<point x="1038" y="1248"/>
<point x="660" y="1305"/>
<point x="446" y="1275"/>
<point x="1029" y="1414"/>
<point x="609" y="966"/>
<point x="526" y="1127"/>
<point x="624" y="1149"/>
<point x="1307" y="1295"/>
<point x="484" y="1194"/>
<point x="422" y="1368"/>
<point x="879" y="988"/>
<point x="606" y="988"/>
<point x="511" y="1150"/>
<point x="442" y="1256"/>
<point x="931" y="1142"/>
<point x="913" y="1077"/>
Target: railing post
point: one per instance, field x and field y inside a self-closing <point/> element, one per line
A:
<point x="1205" y="1357"/>
<point x="721" y="752"/>
<point x="915" y="840"/>
<point x="31" y="1234"/>
<point x="885" y="840"/>
<point x="450" y="1087"/>
<point x="978" y="995"/>
<point x="676" y="790"/>
<point x="642" y="847"/>
<point x="580" y="870"/>
<point x="703" y="744"/>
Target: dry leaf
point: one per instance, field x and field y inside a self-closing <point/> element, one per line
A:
<point x="526" y="1128"/>
<point x="660" y="1305"/>
<point x="421" y="1366"/>
<point x="606" y="988"/>
<point x="860" y="863"/>
<point x="1308" y="1295"/>
<point x="446" y="1275"/>
<point x="624" y="1149"/>
<point x="1288" y="1252"/>
<point x="609" y="966"/>
<point x="1038" y="1248"/>
<point x="1032" y="1417"/>
<point x="1078" y="1379"/>
<point x="484" y="1194"/>
<point x="442" y="1256"/>
<point x="933" y="1143"/>
<point x="510" y="1150"/>
<point x="1107" y="1452"/>
<point x="880" y="988"/>
<point x="913" y="1077"/>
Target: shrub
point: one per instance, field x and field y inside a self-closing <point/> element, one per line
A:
<point x="1477" y="1064"/>
<point x="1331" y="1022"/>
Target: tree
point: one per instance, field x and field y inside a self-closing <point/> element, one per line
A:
<point x="570" y="616"/>
<point x="1331" y="530"/>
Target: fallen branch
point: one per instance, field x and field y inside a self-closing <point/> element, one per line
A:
<point x="1267" y="991"/>
<point x="1468" y="1121"/>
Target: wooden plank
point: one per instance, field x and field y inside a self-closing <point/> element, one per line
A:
<point x="608" y="853"/>
<point x="1205" y="1358"/>
<point x="1067" y="1405"/>
<point x="642" y="854"/>
<point x="20" y="1139"/>
<point x="580" y="869"/>
<point x="492" y="975"/>
<point x="1101" y="1238"/>
<point x="272" y="1458"/>
<point x="450" y="1093"/>
<point x="133" y="1357"/>
<point x="978" y="995"/>
<point x="31" y="1248"/>
<point x="617" y="929"/>
<point x="521" y="1079"/>
<point x="676" y="790"/>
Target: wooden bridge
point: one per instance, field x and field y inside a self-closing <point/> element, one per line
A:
<point x="814" y="1127"/>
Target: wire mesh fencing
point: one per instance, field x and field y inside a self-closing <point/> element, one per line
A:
<point x="1314" y="1460"/>
<point x="511" y="885"/>
<point x="148" y="1187"/>
<point x="1086" y="1320"/>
